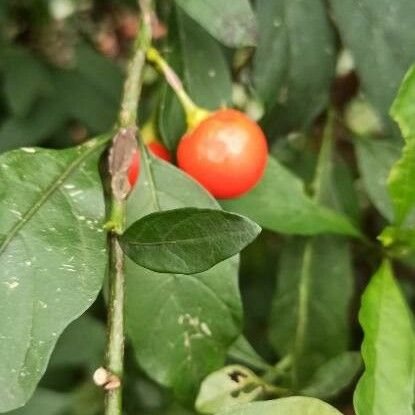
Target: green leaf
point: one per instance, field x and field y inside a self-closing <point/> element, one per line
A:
<point x="401" y="183"/>
<point x="84" y="101"/>
<point x="387" y="385"/>
<point x="180" y="326"/>
<point x="201" y="63"/>
<point x="279" y="203"/>
<point x="295" y="405"/>
<point x="294" y="62"/>
<point x="403" y="108"/>
<point x="400" y="242"/>
<point x="230" y="22"/>
<point x="44" y="118"/>
<point x="309" y="319"/>
<point x="375" y="158"/>
<point x="89" y="63"/>
<point x="52" y="256"/>
<point x="242" y="351"/>
<point x="25" y="79"/>
<point x="187" y="240"/>
<point x="230" y="386"/>
<point x="46" y="402"/>
<point x="334" y="376"/>
<point x="90" y="355"/>
<point x="388" y="50"/>
<point x="402" y="175"/>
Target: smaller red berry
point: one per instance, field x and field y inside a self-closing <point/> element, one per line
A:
<point x="157" y="149"/>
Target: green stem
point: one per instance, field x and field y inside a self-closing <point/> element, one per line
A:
<point x="127" y="120"/>
<point x="194" y="114"/>
<point x="279" y="370"/>
<point x="133" y="82"/>
<point x="276" y="391"/>
<point x="115" y="344"/>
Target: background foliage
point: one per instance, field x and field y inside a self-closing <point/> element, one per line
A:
<point x="320" y="77"/>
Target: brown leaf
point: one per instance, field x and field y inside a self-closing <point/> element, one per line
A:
<point x="123" y="146"/>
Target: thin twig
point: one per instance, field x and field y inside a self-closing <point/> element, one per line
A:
<point x="120" y="156"/>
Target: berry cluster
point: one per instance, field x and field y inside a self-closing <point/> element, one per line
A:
<point x="225" y="151"/>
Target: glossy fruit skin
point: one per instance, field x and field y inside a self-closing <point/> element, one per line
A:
<point x="157" y="149"/>
<point x="226" y="153"/>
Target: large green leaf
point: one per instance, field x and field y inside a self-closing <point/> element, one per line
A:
<point x="231" y="22"/>
<point x="334" y="376"/>
<point x="279" y="203"/>
<point x="375" y="158"/>
<point x="388" y="349"/>
<point x="187" y="240"/>
<point x="180" y="325"/>
<point x="402" y="176"/>
<point x="294" y="61"/>
<point x="295" y="405"/>
<point x="52" y="256"/>
<point x="389" y="46"/>
<point x="200" y="62"/>
<point x="309" y="318"/>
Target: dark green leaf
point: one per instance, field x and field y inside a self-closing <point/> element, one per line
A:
<point x="334" y="376"/>
<point x="84" y="101"/>
<point x="187" y="240"/>
<point x="89" y="64"/>
<point x="201" y="63"/>
<point x="85" y="331"/>
<point x="388" y="349"/>
<point x="309" y="318"/>
<point x="45" y="402"/>
<point x="52" y="256"/>
<point x="228" y="387"/>
<point x="279" y="203"/>
<point x="180" y="326"/>
<point x="25" y="79"/>
<point x="295" y="405"/>
<point x="46" y="116"/>
<point x="375" y="158"/>
<point x="389" y="46"/>
<point x="231" y="22"/>
<point x="243" y="352"/>
<point x="294" y="62"/>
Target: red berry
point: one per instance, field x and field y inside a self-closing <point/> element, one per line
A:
<point x="159" y="150"/>
<point x="134" y="170"/>
<point x="227" y="153"/>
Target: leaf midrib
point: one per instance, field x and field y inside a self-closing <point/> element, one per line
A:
<point x="187" y="240"/>
<point x="45" y="196"/>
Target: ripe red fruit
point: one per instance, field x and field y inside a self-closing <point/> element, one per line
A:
<point x="226" y="152"/>
<point x="134" y="170"/>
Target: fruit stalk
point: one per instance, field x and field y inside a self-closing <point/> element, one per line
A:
<point x="194" y="113"/>
<point x="122" y="146"/>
